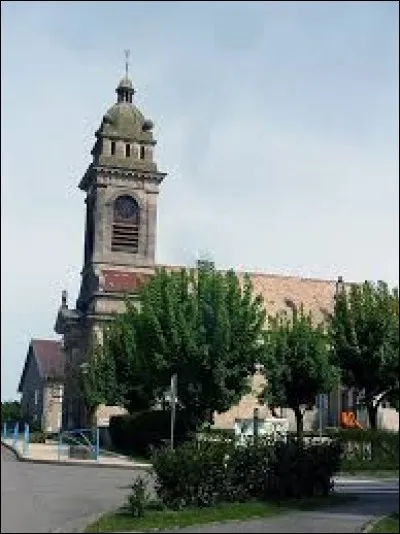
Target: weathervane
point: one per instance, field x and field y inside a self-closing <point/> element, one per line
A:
<point x="127" y="55"/>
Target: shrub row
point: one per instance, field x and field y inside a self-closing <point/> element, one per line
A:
<point x="141" y="432"/>
<point x="204" y="473"/>
<point x="367" y="449"/>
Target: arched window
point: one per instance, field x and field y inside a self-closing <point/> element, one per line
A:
<point x="126" y="225"/>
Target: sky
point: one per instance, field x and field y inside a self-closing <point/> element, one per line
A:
<point x="277" y="123"/>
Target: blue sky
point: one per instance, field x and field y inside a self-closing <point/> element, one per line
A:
<point x="278" y="123"/>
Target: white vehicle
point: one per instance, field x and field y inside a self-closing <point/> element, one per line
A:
<point x="274" y="428"/>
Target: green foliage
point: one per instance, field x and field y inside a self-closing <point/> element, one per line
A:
<point x="364" y="330"/>
<point x="37" y="437"/>
<point x="194" y="474"/>
<point x="202" y="325"/>
<point x="207" y="473"/>
<point x="296" y="363"/>
<point x="11" y="411"/>
<point x="369" y="449"/>
<point x="138" y="498"/>
<point x="98" y="378"/>
<point x="138" y="433"/>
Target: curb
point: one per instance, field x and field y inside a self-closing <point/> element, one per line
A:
<point x="21" y="458"/>
<point x="369" y="525"/>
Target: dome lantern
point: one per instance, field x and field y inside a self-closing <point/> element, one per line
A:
<point x="125" y="90"/>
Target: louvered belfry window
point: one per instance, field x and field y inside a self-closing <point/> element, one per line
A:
<point x="126" y="225"/>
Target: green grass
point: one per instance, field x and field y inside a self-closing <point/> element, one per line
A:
<point x="122" y="521"/>
<point x="388" y="524"/>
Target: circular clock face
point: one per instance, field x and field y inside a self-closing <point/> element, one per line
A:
<point x="126" y="207"/>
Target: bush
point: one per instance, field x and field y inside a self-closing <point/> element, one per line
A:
<point x="369" y="449"/>
<point x="365" y="449"/>
<point x="137" y="500"/>
<point x="194" y="474"/>
<point x="37" y="437"/>
<point x="205" y="473"/>
<point x="139" y="433"/>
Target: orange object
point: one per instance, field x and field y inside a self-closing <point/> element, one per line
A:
<point x="348" y="420"/>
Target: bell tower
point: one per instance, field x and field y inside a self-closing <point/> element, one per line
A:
<point x="121" y="186"/>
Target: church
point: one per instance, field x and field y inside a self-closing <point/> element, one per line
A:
<point x="121" y="187"/>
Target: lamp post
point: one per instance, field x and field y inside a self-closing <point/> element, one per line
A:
<point x="339" y="290"/>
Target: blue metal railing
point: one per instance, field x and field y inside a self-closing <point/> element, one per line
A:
<point x="12" y="430"/>
<point x="78" y="436"/>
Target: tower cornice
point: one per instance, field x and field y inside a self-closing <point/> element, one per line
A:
<point x="104" y="176"/>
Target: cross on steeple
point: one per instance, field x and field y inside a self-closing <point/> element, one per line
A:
<point x="127" y="56"/>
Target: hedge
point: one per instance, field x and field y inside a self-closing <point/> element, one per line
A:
<point x="204" y="473"/>
<point x="369" y="449"/>
<point x="139" y="433"/>
<point x="366" y="449"/>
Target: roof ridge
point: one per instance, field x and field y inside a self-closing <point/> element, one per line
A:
<point x="259" y="273"/>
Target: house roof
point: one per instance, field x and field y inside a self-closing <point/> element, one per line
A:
<point x="49" y="360"/>
<point x="278" y="291"/>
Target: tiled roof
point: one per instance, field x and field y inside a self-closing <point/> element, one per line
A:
<point x="277" y="291"/>
<point x="49" y="357"/>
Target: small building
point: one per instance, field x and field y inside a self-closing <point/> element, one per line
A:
<point x="42" y="384"/>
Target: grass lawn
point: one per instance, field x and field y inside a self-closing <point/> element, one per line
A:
<point x="121" y="521"/>
<point x="387" y="524"/>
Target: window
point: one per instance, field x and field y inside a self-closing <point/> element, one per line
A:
<point x="126" y="224"/>
<point x="128" y="151"/>
<point x="36" y="397"/>
<point x="142" y="152"/>
<point x="113" y="148"/>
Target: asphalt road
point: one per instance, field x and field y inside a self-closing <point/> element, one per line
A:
<point x="51" y="498"/>
<point x="375" y="498"/>
<point x="44" y="498"/>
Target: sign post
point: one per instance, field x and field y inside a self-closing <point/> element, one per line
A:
<point x="174" y="383"/>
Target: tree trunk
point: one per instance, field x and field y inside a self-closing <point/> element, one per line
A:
<point x="372" y="415"/>
<point x="299" y="424"/>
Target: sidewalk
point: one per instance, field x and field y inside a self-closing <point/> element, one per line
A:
<point x="49" y="453"/>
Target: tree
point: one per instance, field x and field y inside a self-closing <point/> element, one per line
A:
<point x="131" y="370"/>
<point x="364" y="330"/>
<point x="97" y="379"/>
<point x="297" y="364"/>
<point x="203" y="325"/>
<point x="11" y="411"/>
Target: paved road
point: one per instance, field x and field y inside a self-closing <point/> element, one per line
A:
<point x="374" y="499"/>
<point x="41" y="498"/>
<point x="46" y="498"/>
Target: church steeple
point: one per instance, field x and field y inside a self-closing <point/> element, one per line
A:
<point x="125" y="90"/>
<point x="121" y="184"/>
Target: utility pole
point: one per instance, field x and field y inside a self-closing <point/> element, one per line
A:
<point x="174" y="383"/>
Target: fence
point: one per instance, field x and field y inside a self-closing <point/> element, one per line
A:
<point x="12" y="431"/>
<point x="79" y="441"/>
